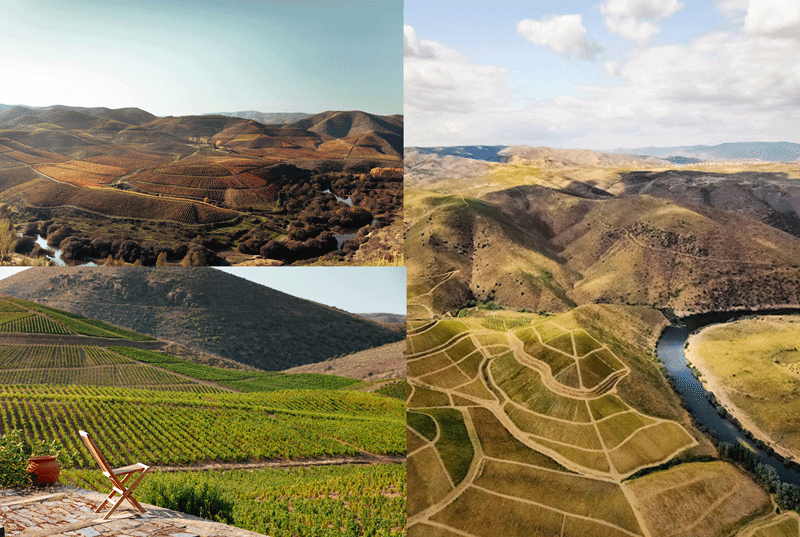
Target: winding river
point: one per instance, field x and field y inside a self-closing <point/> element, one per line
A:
<point x="670" y="352"/>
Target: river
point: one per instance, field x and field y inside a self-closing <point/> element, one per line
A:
<point x="57" y="259"/>
<point x="670" y="352"/>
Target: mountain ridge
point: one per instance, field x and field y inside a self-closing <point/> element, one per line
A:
<point x="205" y="309"/>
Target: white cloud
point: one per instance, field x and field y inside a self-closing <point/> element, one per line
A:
<point x="611" y="68"/>
<point x="441" y="87"/>
<point x="413" y="46"/>
<point x="719" y="87"/>
<point x="735" y="10"/>
<point x="779" y="18"/>
<point x="565" y="35"/>
<point x="631" y="18"/>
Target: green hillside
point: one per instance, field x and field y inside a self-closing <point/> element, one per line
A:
<point x="61" y="372"/>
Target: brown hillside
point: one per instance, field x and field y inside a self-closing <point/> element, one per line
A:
<point x="381" y="363"/>
<point x="568" y="249"/>
<point x="548" y="156"/>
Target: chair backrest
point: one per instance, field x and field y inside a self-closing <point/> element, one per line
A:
<point x="95" y="452"/>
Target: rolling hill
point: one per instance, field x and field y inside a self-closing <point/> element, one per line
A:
<point x="206" y="310"/>
<point x="61" y="373"/>
<point x="688" y="240"/>
<point x="204" y="189"/>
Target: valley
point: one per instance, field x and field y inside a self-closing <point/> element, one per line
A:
<point x="288" y="450"/>
<point x="541" y="402"/>
<point x="122" y="186"/>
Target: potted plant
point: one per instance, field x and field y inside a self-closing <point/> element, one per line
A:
<point x="22" y="461"/>
<point x="43" y="456"/>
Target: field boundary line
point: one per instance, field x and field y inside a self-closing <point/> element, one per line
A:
<point x="557" y="510"/>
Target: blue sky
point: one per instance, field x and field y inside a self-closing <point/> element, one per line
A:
<point x="602" y="74"/>
<point x="353" y="289"/>
<point x="191" y="57"/>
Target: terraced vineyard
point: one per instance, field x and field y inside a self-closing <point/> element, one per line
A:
<point x="47" y="194"/>
<point x="59" y="374"/>
<point x="521" y="424"/>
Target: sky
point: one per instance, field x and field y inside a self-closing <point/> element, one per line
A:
<point x="202" y="56"/>
<point x="353" y="289"/>
<point x="601" y="75"/>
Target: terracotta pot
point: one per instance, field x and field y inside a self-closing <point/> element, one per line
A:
<point x="43" y="470"/>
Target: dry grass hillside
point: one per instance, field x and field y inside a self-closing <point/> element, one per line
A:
<point x="547" y="237"/>
<point x="380" y="363"/>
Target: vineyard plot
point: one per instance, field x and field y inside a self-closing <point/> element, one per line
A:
<point x="186" y="428"/>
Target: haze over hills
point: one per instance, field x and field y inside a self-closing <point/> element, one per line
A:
<point x="267" y="118"/>
<point x="764" y="151"/>
<point x="689" y="154"/>
<point x="207" y="310"/>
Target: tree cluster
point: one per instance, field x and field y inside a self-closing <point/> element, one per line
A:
<point x="786" y="495"/>
<point x="200" y="251"/>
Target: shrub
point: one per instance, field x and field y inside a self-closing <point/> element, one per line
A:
<point x="25" y="244"/>
<point x="14" y="453"/>
<point x="186" y="496"/>
<point x="13" y="460"/>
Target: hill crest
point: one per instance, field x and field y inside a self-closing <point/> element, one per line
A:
<point x="204" y="309"/>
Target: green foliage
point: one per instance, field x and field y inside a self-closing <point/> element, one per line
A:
<point x="787" y="495"/>
<point x="15" y="450"/>
<point x="186" y="495"/>
<point x="454" y="445"/>
<point x="82" y="325"/>
<point x="246" y="381"/>
<point x="423" y="424"/>
<point x="265" y="382"/>
<point x="397" y="389"/>
<point x="13" y="460"/>
<point x="184" y="427"/>
<point x="295" y="502"/>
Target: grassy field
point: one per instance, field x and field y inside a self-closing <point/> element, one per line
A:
<point x="698" y="499"/>
<point x="755" y="364"/>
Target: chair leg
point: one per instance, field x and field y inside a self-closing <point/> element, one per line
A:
<point x="125" y="494"/>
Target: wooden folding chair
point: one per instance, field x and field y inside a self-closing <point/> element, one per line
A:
<point x="118" y="485"/>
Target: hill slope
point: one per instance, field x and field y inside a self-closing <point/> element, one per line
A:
<point x="573" y="243"/>
<point x="205" y="309"/>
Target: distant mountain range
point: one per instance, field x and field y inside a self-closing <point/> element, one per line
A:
<point x="267" y="118"/>
<point x="689" y="154"/>
<point x="766" y="151"/>
<point x="477" y="152"/>
<point x="392" y="318"/>
<point x="63" y="130"/>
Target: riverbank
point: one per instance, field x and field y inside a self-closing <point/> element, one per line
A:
<point x="714" y="385"/>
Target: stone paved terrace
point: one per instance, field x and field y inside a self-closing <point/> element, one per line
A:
<point x="69" y="511"/>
